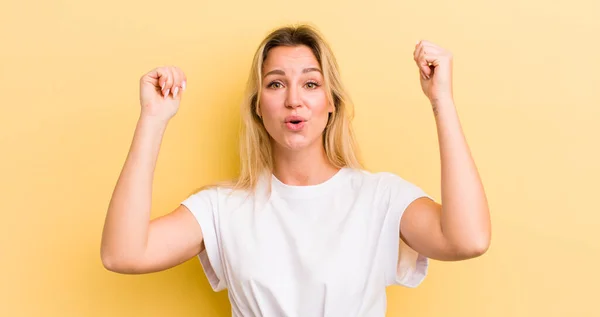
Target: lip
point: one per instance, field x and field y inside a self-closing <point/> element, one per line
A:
<point x="289" y="119"/>
<point x="295" y="126"/>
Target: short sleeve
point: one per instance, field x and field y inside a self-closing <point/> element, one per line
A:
<point x="204" y="207"/>
<point x="404" y="266"/>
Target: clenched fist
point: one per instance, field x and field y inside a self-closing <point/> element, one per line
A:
<point x="160" y="92"/>
<point x="435" y="66"/>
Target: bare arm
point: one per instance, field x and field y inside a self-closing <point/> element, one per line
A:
<point x="131" y="243"/>
<point x="461" y="228"/>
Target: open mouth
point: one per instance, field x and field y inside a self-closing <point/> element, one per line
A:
<point x="295" y="124"/>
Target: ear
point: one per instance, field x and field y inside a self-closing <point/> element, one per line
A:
<point x="331" y="103"/>
<point x="256" y="106"/>
<point x="330" y="108"/>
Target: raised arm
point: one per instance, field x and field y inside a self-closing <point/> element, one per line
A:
<point x="131" y="242"/>
<point x="460" y="228"/>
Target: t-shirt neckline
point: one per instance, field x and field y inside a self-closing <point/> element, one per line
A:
<point x="307" y="191"/>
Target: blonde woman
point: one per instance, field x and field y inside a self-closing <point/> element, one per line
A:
<point x="304" y="230"/>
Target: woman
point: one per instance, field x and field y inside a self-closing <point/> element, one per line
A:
<point x="304" y="231"/>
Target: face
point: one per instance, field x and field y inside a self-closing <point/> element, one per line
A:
<point x="293" y="101"/>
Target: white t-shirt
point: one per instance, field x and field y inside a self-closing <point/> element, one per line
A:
<point x="321" y="250"/>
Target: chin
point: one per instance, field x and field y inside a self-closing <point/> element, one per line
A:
<point x="294" y="142"/>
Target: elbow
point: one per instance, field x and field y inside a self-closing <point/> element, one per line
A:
<point x="478" y="249"/>
<point x="475" y="248"/>
<point x="111" y="263"/>
<point x="116" y="264"/>
<point x="474" y="243"/>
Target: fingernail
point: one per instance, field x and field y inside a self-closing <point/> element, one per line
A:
<point x="163" y="86"/>
<point x="166" y="93"/>
<point x="183" y="85"/>
<point x="175" y="92"/>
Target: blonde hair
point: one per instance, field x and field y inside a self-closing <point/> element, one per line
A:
<point x="255" y="143"/>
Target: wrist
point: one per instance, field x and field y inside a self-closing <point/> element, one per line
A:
<point x="441" y="104"/>
<point x="445" y="99"/>
<point x="146" y="122"/>
<point x="152" y="121"/>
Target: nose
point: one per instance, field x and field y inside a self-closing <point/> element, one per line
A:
<point x="292" y="99"/>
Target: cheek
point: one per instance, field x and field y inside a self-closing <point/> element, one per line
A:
<point x="270" y="105"/>
<point x="271" y="102"/>
<point x="318" y="104"/>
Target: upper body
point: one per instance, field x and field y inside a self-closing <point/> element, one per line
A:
<point x="305" y="230"/>
<point x="328" y="249"/>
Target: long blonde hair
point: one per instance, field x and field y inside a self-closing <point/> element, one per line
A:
<point x="255" y="143"/>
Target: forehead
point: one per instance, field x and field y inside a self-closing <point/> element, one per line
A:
<point x="290" y="57"/>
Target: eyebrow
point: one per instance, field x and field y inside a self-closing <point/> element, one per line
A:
<point x="280" y="72"/>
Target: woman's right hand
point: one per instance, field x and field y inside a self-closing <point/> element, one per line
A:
<point x="160" y="92"/>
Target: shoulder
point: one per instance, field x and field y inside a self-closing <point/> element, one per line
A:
<point x="218" y="193"/>
<point x="215" y="195"/>
<point x="385" y="185"/>
<point x="382" y="180"/>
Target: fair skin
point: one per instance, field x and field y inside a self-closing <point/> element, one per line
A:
<point x="132" y="243"/>
<point x="293" y="86"/>
<point x="460" y="228"/>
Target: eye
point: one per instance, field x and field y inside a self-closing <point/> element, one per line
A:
<point x="312" y="85"/>
<point x="274" y="84"/>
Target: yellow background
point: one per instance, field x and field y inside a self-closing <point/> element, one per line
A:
<point x="526" y="88"/>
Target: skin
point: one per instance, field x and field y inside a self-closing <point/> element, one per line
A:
<point x="460" y="228"/>
<point x="293" y="85"/>
<point x="132" y="243"/>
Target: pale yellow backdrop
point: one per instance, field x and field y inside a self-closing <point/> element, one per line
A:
<point x="526" y="87"/>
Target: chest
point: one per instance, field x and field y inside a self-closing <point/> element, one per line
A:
<point x="303" y="245"/>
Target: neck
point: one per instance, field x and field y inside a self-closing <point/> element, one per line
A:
<point x="308" y="166"/>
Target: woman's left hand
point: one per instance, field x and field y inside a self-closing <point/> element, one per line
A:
<point x="435" y="66"/>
